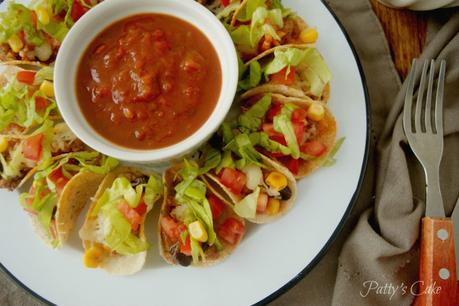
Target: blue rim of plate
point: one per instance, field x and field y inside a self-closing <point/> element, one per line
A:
<point x="338" y="228"/>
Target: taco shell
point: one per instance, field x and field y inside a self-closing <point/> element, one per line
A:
<point x="113" y="263"/>
<point x="213" y="257"/>
<point x="285" y="206"/>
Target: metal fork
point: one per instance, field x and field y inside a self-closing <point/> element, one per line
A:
<point x="424" y="131"/>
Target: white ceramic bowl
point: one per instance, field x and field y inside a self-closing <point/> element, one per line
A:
<point x="105" y="14"/>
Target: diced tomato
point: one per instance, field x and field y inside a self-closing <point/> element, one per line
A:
<point x="78" y="10"/>
<point x="268" y="128"/>
<point x="273" y="111"/>
<point x="186" y="247"/>
<point x="59" y="179"/>
<point x="130" y="214"/>
<point x="225" y="2"/>
<point x="40" y="103"/>
<point x="299" y="132"/>
<point x="233" y="179"/>
<point x="299" y="115"/>
<point x="272" y="134"/>
<point x="26" y="77"/>
<point x="216" y="205"/>
<point x="231" y="230"/>
<point x="283" y="78"/>
<point x="141" y="209"/>
<point x="292" y="164"/>
<point x="170" y="227"/>
<point x="314" y="148"/>
<point x="262" y="202"/>
<point x="32" y="147"/>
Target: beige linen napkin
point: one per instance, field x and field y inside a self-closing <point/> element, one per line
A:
<point x="422" y="5"/>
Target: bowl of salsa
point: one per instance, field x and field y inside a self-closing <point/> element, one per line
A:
<point x="146" y="80"/>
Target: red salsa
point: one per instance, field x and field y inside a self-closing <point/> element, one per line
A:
<point x="148" y="81"/>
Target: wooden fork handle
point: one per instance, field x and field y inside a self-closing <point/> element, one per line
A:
<point x="437" y="286"/>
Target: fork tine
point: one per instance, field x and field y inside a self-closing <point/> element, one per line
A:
<point x="421" y="90"/>
<point x="428" y="111"/>
<point x="439" y="99"/>
<point x="407" y="125"/>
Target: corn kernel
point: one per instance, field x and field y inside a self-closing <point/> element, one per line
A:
<point x="273" y="206"/>
<point x="197" y="231"/>
<point x="47" y="89"/>
<point x="316" y="112"/>
<point x="93" y="256"/>
<point x="276" y="180"/>
<point x="15" y="43"/>
<point x="42" y="15"/>
<point x="3" y="144"/>
<point x="309" y="36"/>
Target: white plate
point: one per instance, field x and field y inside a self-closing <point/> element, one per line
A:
<point x="270" y="259"/>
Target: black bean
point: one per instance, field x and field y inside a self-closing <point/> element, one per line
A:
<point x="216" y="141"/>
<point x="286" y="193"/>
<point x="183" y="260"/>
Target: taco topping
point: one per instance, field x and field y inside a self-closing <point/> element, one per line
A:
<point x="36" y="32"/>
<point x="119" y="214"/>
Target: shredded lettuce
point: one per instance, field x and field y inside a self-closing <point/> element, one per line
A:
<point x="18" y="107"/>
<point x="282" y="123"/>
<point x="259" y="27"/>
<point x="18" y="18"/>
<point x="310" y="65"/>
<point x="252" y="119"/>
<point x="226" y="162"/>
<point x="212" y="158"/>
<point x="284" y="58"/>
<point x="45" y="73"/>
<point x="262" y="139"/>
<point x="253" y="78"/>
<point x="191" y="193"/>
<point x="243" y="147"/>
<point x="229" y="10"/>
<point x="247" y="12"/>
<point x="226" y="130"/>
<point x="118" y="235"/>
<point x="316" y="71"/>
<point x="247" y="207"/>
<point x="117" y="230"/>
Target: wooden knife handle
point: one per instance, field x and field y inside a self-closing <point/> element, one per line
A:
<point x="437" y="285"/>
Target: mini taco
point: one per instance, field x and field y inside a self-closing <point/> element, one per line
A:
<point x="26" y="98"/>
<point x="113" y="234"/>
<point x="35" y="32"/>
<point x="295" y="71"/>
<point x="298" y="133"/>
<point x="259" y="189"/>
<point x="195" y="226"/>
<point x="60" y="191"/>
<point x="257" y="26"/>
<point x="24" y="154"/>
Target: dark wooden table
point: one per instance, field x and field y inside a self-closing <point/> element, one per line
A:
<point x="406" y="32"/>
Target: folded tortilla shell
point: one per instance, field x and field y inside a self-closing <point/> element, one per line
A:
<point x="264" y="218"/>
<point x="213" y="257"/>
<point x="326" y="131"/>
<point x="113" y="263"/>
